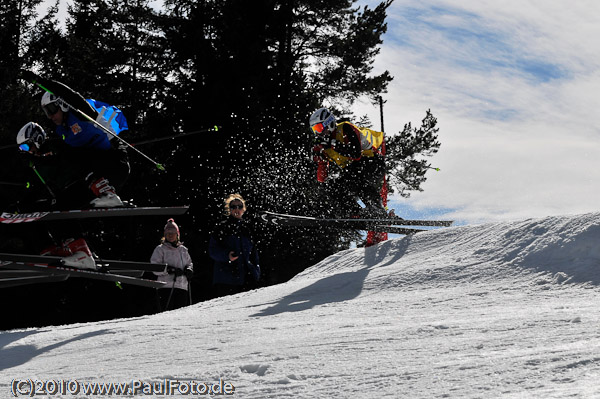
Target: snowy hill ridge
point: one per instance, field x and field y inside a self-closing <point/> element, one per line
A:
<point x="565" y="247"/>
<point x="498" y="310"/>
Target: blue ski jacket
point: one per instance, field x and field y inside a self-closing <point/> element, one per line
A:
<point x="78" y="133"/>
<point x="233" y="235"/>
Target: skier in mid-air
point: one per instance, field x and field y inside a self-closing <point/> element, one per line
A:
<point x="359" y="154"/>
<point x="100" y="160"/>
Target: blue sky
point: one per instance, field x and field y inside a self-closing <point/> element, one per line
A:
<point x="470" y="42"/>
<point x="515" y="86"/>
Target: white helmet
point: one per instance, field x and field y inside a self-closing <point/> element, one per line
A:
<point x="31" y="134"/>
<point x="52" y="103"/>
<point x="322" y="120"/>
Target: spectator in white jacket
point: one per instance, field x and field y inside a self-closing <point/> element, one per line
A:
<point x="180" y="269"/>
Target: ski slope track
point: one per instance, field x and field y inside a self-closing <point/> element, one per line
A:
<point x="500" y="310"/>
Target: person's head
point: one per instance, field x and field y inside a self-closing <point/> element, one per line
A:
<point x="322" y="121"/>
<point x="171" y="231"/>
<point x="54" y="108"/>
<point x="235" y="206"/>
<point x="31" y="137"/>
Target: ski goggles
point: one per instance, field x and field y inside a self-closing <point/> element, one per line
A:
<point x="27" y="145"/>
<point x="33" y="142"/>
<point x="319" y="127"/>
<point x="50" y="109"/>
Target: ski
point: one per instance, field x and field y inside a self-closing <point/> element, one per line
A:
<point x="10" y="218"/>
<point x="54" y="270"/>
<point x="395" y="230"/>
<point x="129" y="265"/>
<point x="14" y="278"/>
<point x="361" y="224"/>
<point x="103" y="263"/>
<point x="18" y="281"/>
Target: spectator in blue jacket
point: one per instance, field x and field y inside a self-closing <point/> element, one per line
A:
<point x="233" y="249"/>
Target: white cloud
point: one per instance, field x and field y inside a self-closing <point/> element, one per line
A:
<point x="514" y="87"/>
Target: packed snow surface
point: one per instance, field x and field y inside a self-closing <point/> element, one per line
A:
<point x="499" y="310"/>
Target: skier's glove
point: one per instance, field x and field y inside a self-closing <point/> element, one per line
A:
<point x="189" y="272"/>
<point x="318" y="149"/>
<point x="325" y="141"/>
<point x="174" y="270"/>
<point x="106" y="123"/>
<point x="319" y="154"/>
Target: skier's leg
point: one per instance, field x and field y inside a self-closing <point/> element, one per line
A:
<point x="372" y="173"/>
<point x="344" y="196"/>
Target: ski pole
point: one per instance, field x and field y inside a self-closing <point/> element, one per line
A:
<point x="176" y="136"/>
<point x="43" y="182"/>
<point x="9" y="183"/>
<point x="108" y="131"/>
<point x="171" y="293"/>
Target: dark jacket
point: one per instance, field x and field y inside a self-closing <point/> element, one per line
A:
<point x="234" y="235"/>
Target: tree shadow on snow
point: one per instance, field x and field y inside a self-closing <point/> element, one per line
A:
<point x="339" y="287"/>
<point x="21" y="354"/>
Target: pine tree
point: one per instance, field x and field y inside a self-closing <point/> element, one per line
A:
<point x="17" y="24"/>
<point x="46" y="45"/>
<point x="138" y="77"/>
<point x="93" y="49"/>
<point x="17" y="19"/>
<point x="405" y="167"/>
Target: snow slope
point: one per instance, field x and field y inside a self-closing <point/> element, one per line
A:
<point x="497" y="310"/>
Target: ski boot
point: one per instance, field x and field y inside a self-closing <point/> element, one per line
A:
<point x="56" y="250"/>
<point x="75" y="253"/>
<point x="106" y="197"/>
<point x="81" y="257"/>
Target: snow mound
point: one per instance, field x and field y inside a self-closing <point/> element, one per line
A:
<point x="553" y="249"/>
